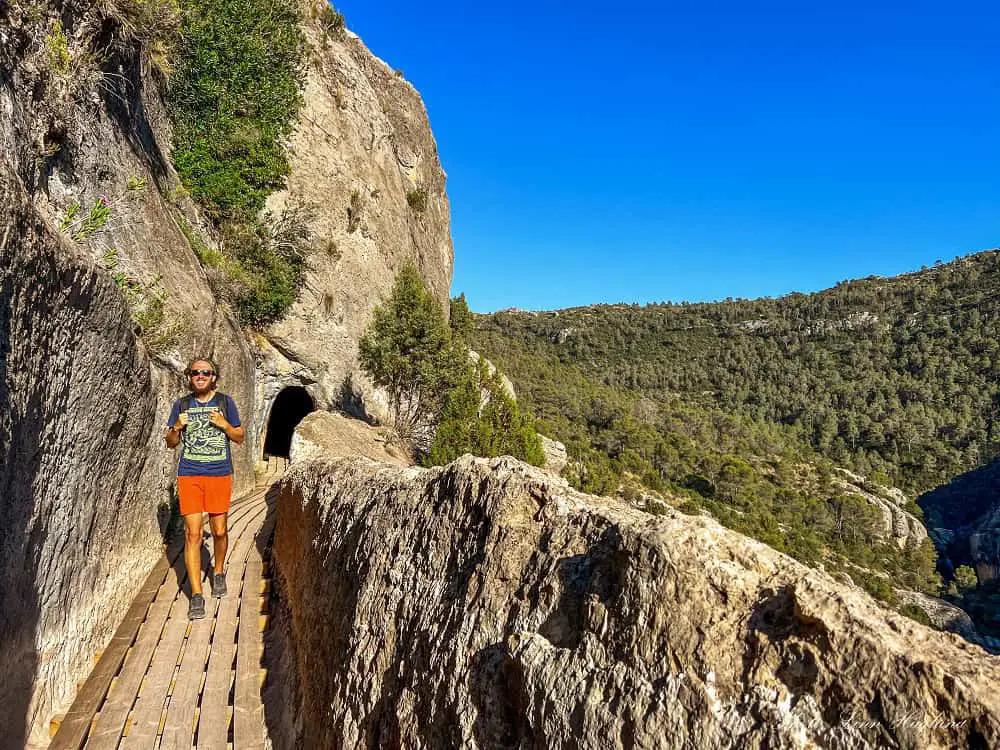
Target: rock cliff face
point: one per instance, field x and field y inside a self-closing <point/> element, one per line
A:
<point x="363" y="156"/>
<point x="80" y="478"/>
<point x="85" y="481"/>
<point x="84" y="476"/>
<point x="488" y="605"/>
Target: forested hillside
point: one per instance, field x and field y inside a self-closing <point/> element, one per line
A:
<point x="895" y="378"/>
<point x="745" y="407"/>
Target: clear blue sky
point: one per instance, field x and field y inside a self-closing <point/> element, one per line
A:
<point x="647" y="151"/>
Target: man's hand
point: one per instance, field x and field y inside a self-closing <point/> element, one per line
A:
<point x="235" y="434"/>
<point x="173" y="436"/>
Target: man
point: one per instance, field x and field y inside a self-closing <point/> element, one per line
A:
<point x="205" y="421"/>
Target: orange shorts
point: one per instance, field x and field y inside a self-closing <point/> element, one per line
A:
<point x="204" y="494"/>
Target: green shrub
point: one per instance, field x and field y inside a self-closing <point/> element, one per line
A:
<point x="331" y="21"/>
<point x="480" y="417"/>
<point x="690" y="507"/>
<point x="460" y="319"/>
<point x="407" y="350"/>
<point x="155" y="22"/>
<point x="57" y="49"/>
<point x="266" y="259"/>
<point x="965" y="578"/>
<point x="915" y="613"/>
<point x="234" y="97"/>
<point x="417" y="200"/>
<point x="877" y="586"/>
<point x="147" y="307"/>
<point x="259" y="265"/>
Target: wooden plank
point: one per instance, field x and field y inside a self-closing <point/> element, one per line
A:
<point x="248" y="710"/>
<point x="115" y="710"/>
<point x="76" y="725"/>
<point x="145" y="719"/>
<point x="178" y="732"/>
<point x="149" y="707"/>
<point x="248" y="707"/>
<point x="114" y="713"/>
<point x="79" y="719"/>
<point x="213" y="724"/>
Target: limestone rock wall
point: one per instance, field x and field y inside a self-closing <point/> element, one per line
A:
<point x="85" y="479"/>
<point x="365" y="161"/>
<point x="488" y="605"/>
<point x="82" y="490"/>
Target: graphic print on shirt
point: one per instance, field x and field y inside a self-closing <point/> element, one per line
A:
<point x="203" y="441"/>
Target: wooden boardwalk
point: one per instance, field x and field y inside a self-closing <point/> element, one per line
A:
<point x="169" y="683"/>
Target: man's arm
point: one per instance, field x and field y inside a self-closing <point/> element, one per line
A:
<point x="178" y="421"/>
<point x="173" y="436"/>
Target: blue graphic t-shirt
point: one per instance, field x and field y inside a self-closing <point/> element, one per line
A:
<point x="204" y="447"/>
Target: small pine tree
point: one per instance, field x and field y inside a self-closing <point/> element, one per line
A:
<point x="407" y="350"/>
<point x="481" y="418"/>
<point x="455" y="431"/>
<point x="411" y="352"/>
<point x="460" y="319"/>
<point x="966" y="578"/>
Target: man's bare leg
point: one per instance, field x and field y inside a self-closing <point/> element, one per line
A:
<point x="220" y="538"/>
<point x="192" y="550"/>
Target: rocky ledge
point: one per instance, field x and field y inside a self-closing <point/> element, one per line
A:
<point x="488" y="605"/>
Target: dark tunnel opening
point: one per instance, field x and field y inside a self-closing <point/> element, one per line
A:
<point x="289" y="408"/>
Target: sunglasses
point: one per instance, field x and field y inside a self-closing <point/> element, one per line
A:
<point x="206" y="373"/>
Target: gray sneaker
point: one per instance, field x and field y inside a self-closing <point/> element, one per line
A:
<point x="196" y="609"/>
<point x="218" y="585"/>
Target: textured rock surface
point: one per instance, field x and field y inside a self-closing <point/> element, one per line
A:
<point x="488" y="605"/>
<point x="943" y="615"/>
<point x="325" y="433"/>
<point x="81" y="468"/>
<point x="555" y="455"/>
<point x="364" y="138"/>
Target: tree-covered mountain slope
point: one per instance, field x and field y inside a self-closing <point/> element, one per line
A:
<point x="747" y="407"/>
<point x="893" y="377"/>
<point x="755" y="477"/>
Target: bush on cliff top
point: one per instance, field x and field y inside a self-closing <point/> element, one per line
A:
<point x="234" y="98"/>
<point x="481" y="418"/>
<point x="442" y="403"/>
<point x="407" y="351"/>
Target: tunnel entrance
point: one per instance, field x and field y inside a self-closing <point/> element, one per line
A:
<point x="289" y="408"/>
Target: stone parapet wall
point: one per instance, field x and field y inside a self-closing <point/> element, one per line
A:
<point x="488" y="605"/>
